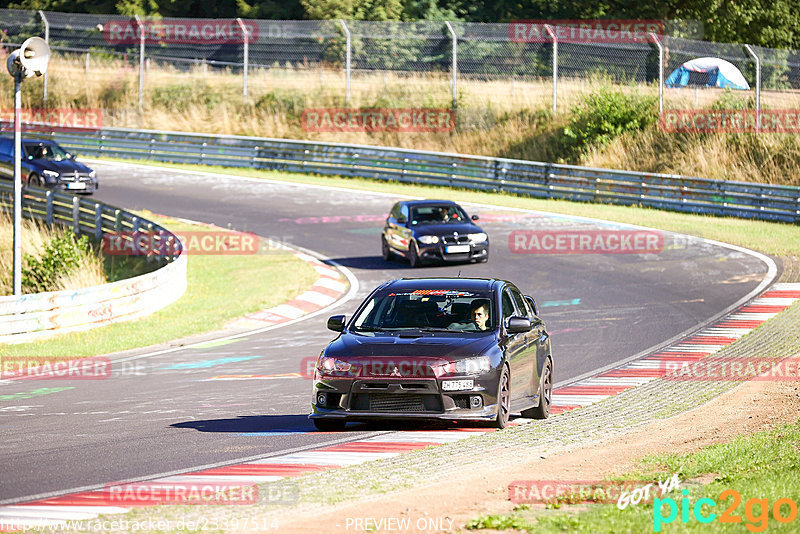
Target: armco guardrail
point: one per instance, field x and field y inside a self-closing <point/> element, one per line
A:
<point x="544" y="180"/>
<point x="39" y="315"/>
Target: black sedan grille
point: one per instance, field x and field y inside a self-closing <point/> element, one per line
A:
<point x="452" y="240"/>
<point x="76" y="177"/>
<point x="397" y="403"/>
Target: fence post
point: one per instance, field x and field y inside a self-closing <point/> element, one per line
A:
<point x="76" y="215"/>
<point x="347" y="64"/>
<point x="454" y="67"/>
<point x="140" y="25"/>
<point x="552" y="34"/>
<point x="98" y="221"/>
<point x="246" y="54"/>
<point x="47" y="40"/>
<point x="758" y="85"/>
<point x="49" y="209"/>
<point x="86" y="66"/>
<point x="655" y="40"/>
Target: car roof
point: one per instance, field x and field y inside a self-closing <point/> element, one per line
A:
<point x="428" y="202"/>
<point x="444" y="283"/>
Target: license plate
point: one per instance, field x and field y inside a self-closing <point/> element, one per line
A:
<point x="457" y="385"/>
<point x="455" y="249"/>
<point x="76" y="185"/>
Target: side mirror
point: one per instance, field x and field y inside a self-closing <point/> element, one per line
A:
<point x="401" y="221"/>
<point x="532" y="302"/>
<point x="518" y="325"/>
<point x="72" y="156"/>
<point x="336" y="323"/>
<point x="475" y="218"/>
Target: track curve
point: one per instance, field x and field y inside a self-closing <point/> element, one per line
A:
<point x="600" y="309"/>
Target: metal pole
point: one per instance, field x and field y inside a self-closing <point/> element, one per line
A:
<point x="47" y="40"/>
<point x="454" y="67"/>
<point x="17" y="260"/>
<point x="141" y="60"/>
<point x="758" y="86"/>
<point x="552" y="34"/>
<point x="347" y="64"/>
<point x="660" y="73"/>
<point x="246" y="38"/>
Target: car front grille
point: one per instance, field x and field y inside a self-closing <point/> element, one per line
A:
<point x="452" y="240"/>
<point x="397" y="403"/>
<point x="76" y="177"/>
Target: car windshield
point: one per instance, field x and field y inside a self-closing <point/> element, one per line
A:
<point x="437" y="214"/>
<point x="42" y="151"/>
<point x="428" y="310"/>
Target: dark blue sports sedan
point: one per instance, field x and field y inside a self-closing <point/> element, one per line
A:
<point x="433" y="230"/>
<point x="453" y="349"/>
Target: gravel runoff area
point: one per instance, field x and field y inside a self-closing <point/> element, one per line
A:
<point x="657" y="400"/>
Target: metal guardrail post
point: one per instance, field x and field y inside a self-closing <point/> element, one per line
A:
<point x="454" y="67"/>
<point x="347" y="63"/>
<point x="552" y="34"/>
<point x="246" y="54"/>
<point x="47" y="40"/>
<point x="660" y="47"/>
<point x="98" y="221"/>
<point x="758" y="85"/>
<point x="76" y="215"/>
<point x="49" y="207"/>
<point x="142" y="36"/>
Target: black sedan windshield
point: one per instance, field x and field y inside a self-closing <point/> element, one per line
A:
<point x="42" y="151"/>
<point x="443" y="214"/>
<point x="428" y="309"/>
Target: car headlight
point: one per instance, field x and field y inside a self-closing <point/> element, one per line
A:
<point x="335" y="367"/>
<point x="428" y="239"/>
<point x="473" y="366"/>
<point x="50" y="174"/>
<point x="92" y="174"/>
<point x="480" y="237"/>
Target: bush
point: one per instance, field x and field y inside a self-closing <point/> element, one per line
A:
<point x="604" y="115"/>
<point x="729" y="101"/>
<point x="62" y="256"/>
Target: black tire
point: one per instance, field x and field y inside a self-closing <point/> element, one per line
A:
<point x="386" y="252"/>
<point x="503" y="400"/>
<point x="329" y="425"/>
<point x="545" y="394"/>
<point x="34" y="180"/>
<point x="413" y="255"/>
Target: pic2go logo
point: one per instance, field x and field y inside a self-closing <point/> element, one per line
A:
<point x="783" y="511"/>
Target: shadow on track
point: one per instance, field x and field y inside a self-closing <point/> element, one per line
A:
<point x="301" y="424"/>
<point x="377" y="263"/>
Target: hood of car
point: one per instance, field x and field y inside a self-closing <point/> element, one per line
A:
<point x="66" y="166"/>
<point x="446" y="346"/>
<point x="443" y="229"/>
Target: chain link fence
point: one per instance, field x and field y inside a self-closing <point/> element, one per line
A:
<point x="423" y="63"/>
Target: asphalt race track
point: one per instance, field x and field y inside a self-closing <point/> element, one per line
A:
<point x="165" y="413"/>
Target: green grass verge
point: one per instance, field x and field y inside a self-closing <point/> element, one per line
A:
<point x="778" y="239"/>
<point x="220" y="288"/>
<point x="762" y="466"/>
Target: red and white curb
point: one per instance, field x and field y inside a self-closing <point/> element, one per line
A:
<point x="88" y="505"/>
<point x="707" y="341"/>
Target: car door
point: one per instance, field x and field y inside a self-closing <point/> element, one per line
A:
<point x="516" y="350"/>
<point x="6" y="160"/>
<point x="397" y="233"/>
<point x="528" y="379"/>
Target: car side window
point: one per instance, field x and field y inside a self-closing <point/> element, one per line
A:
<point x="404" y="211"/>
<point x="395" y="213"/>
<point x="508" y="306"/>
<point x="529" y="309"/>
<point x="519" y="300"/>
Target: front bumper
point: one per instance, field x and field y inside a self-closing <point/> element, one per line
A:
<point x="359" y="399"/>
<point x="76" y="187"/>
<point x="438" y="251"/>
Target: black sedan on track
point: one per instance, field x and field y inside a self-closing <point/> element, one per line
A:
<point x="45" y="163"/>
<point x="453" y="349"/>
<point x="425" y="230"/>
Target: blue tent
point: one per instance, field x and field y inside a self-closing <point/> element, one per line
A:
<point x="713" y="72"/>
